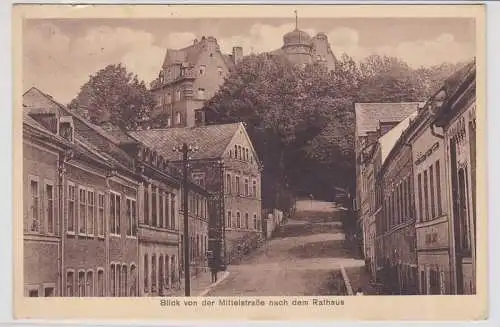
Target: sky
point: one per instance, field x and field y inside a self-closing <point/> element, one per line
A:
<point x="60" y="55"/>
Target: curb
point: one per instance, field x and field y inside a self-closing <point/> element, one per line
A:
<point x="212" y="286"/>
<point x="346" y="281"/>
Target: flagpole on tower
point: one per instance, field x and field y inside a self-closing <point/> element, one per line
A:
<point x="296" y="20"/>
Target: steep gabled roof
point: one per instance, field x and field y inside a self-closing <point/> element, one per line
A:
<point x="188" y="55"/>
<point x="38" y="102"/>
<point x="368" y="115"/>
<point x="211" y="140"/>
<point x="389" y="140"/>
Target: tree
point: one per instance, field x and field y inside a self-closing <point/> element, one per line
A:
<point x="114" y="96"/>
<point x="301" y="120"/>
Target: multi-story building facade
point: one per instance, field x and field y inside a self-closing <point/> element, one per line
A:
<point x="373" y="121"/>
<point x="455" y="112"/>
<point x="398" y="224"/>
<point x="102" y="215"/>
<point x="188" y="77"/>
<point x="228" y="167"/>
<point x="430" y="188"/>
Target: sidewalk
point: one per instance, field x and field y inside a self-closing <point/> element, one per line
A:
<point x="202" y="284"/>
<point x="359" y="278"/>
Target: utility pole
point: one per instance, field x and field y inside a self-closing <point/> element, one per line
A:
<point x="185" y="149"/>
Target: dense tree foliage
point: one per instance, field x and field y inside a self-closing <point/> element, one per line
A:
<point x="115" y="96"/>
<point x="301" y="120"/>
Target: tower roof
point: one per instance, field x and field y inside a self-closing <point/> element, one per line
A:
<point x="297" y="37"/>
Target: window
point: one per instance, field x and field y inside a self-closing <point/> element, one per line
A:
<point x="197" y="246"/>
<point x="247" y="222"/>
<point x="146" y="274"/>
<point x="228" y="219"/>
<point x="100" y="214"/>
<point x="132" y="217"/>
<point x="202" y="70"/>
<point x="90" y="283"/>
<point x="238" y="220"/>
<point x="114" y="213"/>
<point x="239" y="152"/>
<point x="247" y="153"/>
<point x="153" y="273"/>
<point x="420" y="204"/>
<point x="426" y="197"/>
<point x="255" y="221"/>
<point x="220" y="71"/>
<point x="83" y="211"/>
<point x="259" y="227"/>
<point x="237" y="182"/>
<point x="49" y="207"/>
<point x="118" y="278"/>
<point x="66" y="130"/>
<point x="236" y="151"/>
<point x="48" y="291"/>
<point x="172" y="269"/>
<point x="247" y="190"/>
<point x="124" y="286"/>
<point x="438" y="189"/>
<point x="172" y="211"/>
<point x="81" y="283"/>
<point x="100" y="283"/>
<point x="423" y="282"/>
<point x="177" y="117"/>
<point x="161" y="208"/>
<point x="90" y="212"/>
<point x="112" y="276"/>
<point x="431" y="186"/>
<point x="178" y="95"/>
<point x="133" y="281"/>
<point x="254" y="188"/>
<point x="70" y="283"/>
<point x="228" y="183"/>
<point x="35" y="207"/>
<point x="405" y="200"/>
<point x="146" y="205"/>
<point x="154" y="221"/>
<point x="71" y="208"/>
<point x="199" y="178"/>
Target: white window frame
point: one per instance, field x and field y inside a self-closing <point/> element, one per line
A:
<point x="75" y="207"/>
<point x="96" y="284"/>
<point x="101" y="223"/>
<point x="49" y="285"/>
<point x="66" y="283"/>
<point x="246" y="186"/>
<point x="46" y="207"/>
<point x="229" y="183"/>
<point x="32" y="287"/>
<point x="115" y="194"/>
<point x="87" y="293"/>
<point x="131" y="219"/>
<point x="90" y="208"/>
<point x="80" y="190"/>
<point x="32" y="178"/>
<point x="84" y="282"/>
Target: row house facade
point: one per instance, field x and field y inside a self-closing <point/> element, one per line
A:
<point x="226" y="164"/>
<point x="455" y="117"/>
<point x="426" y="229"/>
<point x="87" y="225"/>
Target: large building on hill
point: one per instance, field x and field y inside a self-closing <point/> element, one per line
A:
<point x="227" y="165"/>
<point x="187" y="78"/>
<point x="191" y="75"/>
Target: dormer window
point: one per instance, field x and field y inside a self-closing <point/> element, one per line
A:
<point x="66" y="128"/>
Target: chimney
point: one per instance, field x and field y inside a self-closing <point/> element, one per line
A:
<point x="237" y="54"/>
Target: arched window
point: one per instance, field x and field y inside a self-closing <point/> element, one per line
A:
<point x="177" y="118"/>
<point x="90" y="283"/>
<point x="246" y="221"/>
<point x="124" y="286"/>
<point x="173" y="270"/>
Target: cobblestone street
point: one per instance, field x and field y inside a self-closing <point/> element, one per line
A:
<point x="303" y="258"/>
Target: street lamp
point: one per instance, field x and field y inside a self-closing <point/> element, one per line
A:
<point x="185" y="149"/>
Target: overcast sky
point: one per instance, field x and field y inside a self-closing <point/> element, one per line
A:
<point x="59" y="55"/>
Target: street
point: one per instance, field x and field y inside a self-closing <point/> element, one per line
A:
<point x="303" y="258"/>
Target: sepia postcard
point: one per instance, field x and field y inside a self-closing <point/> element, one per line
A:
<point x="250" y="162"/>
